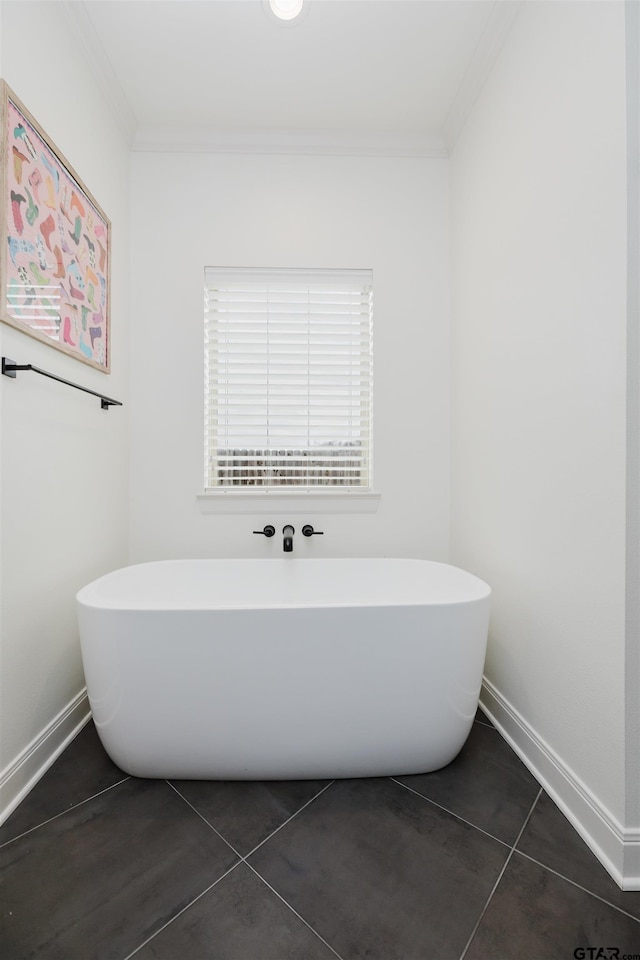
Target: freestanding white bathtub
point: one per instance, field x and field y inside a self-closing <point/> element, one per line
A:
<point x="283" y="669"/>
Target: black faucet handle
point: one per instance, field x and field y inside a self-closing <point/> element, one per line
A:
<point x="308" y="531"/>
<point x="268" y="531"/>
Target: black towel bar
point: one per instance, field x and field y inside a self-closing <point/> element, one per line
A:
<point x="10" y="368"/>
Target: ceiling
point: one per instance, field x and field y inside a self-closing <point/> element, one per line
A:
<point x="388" y="76"/>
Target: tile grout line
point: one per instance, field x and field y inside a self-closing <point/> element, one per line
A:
<point x="451" y="813"/>
<point x="241" y="860"/>
<point x="500" y="876"/>
<point x="539" y="863"/>
<point x="184" y="909"/>
<point x="292" y="909"/>
<point x="289" y="819"/>
<point x="273" y="832"/>
<point x="62" y="813"/>
<point x="485" y="723"/>
<point x="202" y="892"/>
<point x="574" y="883"/>
<point x="520" y="852"/>
<point x="204" y="820"/>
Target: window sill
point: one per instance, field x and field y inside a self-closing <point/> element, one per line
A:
<point x="245" y="501"/>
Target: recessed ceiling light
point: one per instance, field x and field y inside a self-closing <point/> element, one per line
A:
<point x="286" y="9"/>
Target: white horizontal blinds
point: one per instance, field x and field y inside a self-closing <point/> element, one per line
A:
<point x="289" y="371"/>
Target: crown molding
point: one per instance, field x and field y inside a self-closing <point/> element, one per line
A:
<point x="286" y="142"/>
<point x="81" y="24"/>
<point x="504" y="14"/>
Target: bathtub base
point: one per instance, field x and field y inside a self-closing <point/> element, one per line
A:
<point x="342" y="693"/>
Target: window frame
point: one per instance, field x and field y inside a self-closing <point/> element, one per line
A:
<point x="321" y="497"/>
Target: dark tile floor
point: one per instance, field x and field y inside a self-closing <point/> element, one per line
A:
<point x="473" y="861"/>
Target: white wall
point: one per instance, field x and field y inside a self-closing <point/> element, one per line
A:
<point x="632" y="666"/>
<point x="539" y="380"/>
<point x="63" y="511"/>
<point x="194" y="210"/>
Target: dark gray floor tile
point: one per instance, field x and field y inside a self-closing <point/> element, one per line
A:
<point x="381" y="874"/>
<point x="535" y="914"/>
<point x="81" y="771"/>
<point x="97" y="881"/>
<point x="246" y="812"/>
<point x="487" y="784"/>
<point x="550" y="838"/>
<point x="239" y="919"/>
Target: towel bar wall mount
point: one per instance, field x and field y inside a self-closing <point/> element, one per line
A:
<point x="10" y="369"/>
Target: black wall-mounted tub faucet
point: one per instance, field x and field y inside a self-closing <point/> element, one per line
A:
<point x="288" y="532"/>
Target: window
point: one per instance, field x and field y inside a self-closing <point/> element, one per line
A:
<point x="288" y="379"/>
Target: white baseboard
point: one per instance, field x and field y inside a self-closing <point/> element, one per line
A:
<point x="617" y="848"/>
<point x="17" y="779"/>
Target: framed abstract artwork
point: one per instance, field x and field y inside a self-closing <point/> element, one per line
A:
<point x="55" y="266"/>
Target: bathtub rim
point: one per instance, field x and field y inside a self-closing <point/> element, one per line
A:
<point x="92" y="595"/>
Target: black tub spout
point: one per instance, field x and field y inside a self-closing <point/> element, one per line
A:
<point x="287" y="544"/>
